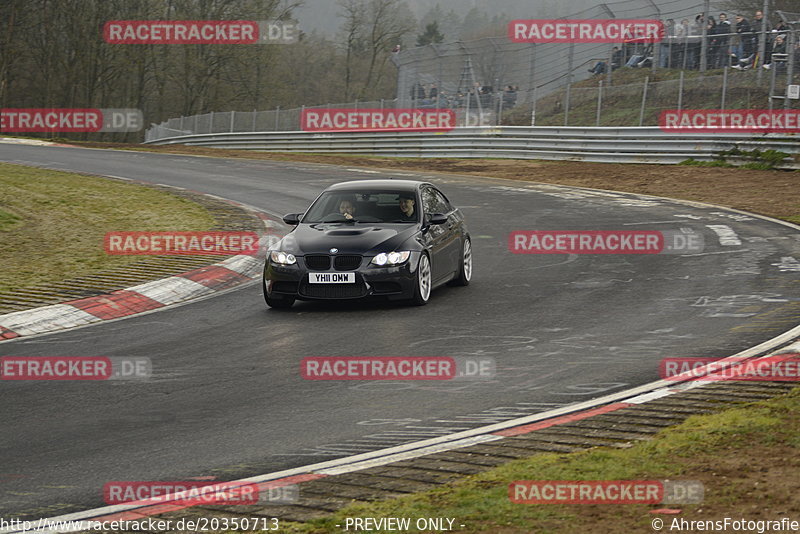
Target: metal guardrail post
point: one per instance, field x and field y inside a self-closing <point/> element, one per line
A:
<point x="233" y="113"/>
<point x="211" y="123"/>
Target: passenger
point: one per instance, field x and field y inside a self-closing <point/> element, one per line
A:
<point x="407" y="202"/>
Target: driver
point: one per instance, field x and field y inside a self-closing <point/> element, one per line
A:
<point x="407" y="202"/>
<point x="347" y="208"/>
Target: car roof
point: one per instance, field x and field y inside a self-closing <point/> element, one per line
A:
<point x="388" y="185"/>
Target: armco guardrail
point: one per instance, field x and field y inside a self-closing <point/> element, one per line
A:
<point x="610" y="145"/>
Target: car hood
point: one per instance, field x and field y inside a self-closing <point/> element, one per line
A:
<point x="348" y="238"/>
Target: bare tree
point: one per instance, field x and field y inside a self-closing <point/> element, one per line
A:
<point x="387" y="22"/>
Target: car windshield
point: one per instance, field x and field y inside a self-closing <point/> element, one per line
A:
<point x="364" y="207"/>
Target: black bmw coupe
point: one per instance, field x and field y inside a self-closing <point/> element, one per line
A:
<point x="397" y="239"/>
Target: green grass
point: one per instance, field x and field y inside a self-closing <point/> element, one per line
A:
<point x="7" y="220"/>
<point x="52" y="223"/>
<point x="481" y="502"/>
<point x="622" y="100"/>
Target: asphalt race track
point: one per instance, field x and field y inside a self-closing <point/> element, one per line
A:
<point x="227" y="399"/>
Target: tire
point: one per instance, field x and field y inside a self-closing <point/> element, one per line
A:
<point x="422" y="282"/>
<point x="276" y="302"/>
<point x="465" y="269"/>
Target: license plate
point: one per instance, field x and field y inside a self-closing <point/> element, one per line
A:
<point x="331" y="278"/>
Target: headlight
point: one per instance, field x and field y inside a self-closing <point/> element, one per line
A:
<point x="282" y="258"/>
<point x="392" y="258"/>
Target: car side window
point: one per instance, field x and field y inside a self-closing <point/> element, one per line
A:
<point x="444" y="205"/>
<point x="433" y="202"/>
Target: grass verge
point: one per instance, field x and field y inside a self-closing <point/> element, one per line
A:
<point x="52" y="223"/>
<point x="767" y="192"/>
<point x="745" y="457"/>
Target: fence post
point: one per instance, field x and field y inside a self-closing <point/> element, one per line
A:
<point x="466" y="111"/>
<point x="499" y="120"/>
<point x="381" y="104"/>
<point x="255" y="114"/>
<point x="532" y="71"/>
<point x="570" y="60"/>
<point x="533" y="107"/>
<point x="181" y="123"/>
<point x="680" y="92"/>
<point x="644" y="100"/>
<point x="277" y="117"/>
<point x="232" y="115"/>
<point x="724" y="87"/>
<point x="599" y="101"/>
<point x="704" y="37"/>
<point x="211" y="123"/>
<point x="792" y="40"/>
<point x="302" y="112"/>
<point x="195" y="125"/>
<point x="762" y="46"/>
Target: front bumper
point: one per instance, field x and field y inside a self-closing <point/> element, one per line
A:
<point x="393" y="283"/>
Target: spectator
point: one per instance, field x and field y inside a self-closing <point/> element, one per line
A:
<point x="417" y="91"/>
<point x="695" y="38"/>
<point x="724" y="38"/>
<point x="712" y="51"/>
<point x="616" y="58"/>
<point x="433" y="92"/>
<point x="665" y="50"/>
<point x="681" y="44"/>
<point x="758" y="24"/>
<point x="510" y="96"/>
<point x="599" y="68"/>
<point x="778" y="52"/>
<point x="744" y="52"/>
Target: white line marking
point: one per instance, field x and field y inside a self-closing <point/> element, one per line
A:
<point x="357" y="466"/>
<point x="727" y="237"/>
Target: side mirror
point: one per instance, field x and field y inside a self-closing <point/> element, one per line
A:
<point x="437" y="218"/>
<point x="292" y="219"/>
